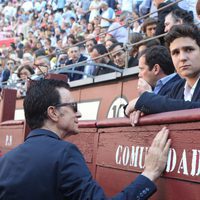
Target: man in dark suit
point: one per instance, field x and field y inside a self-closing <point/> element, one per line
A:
<point x="156" y="71"/>
<point x="75" y="57"/>
<point x="98" y="51"/>
<point x="184" y="45"/>
<point x="162" y="14"/>
<point x="46" y="167"/>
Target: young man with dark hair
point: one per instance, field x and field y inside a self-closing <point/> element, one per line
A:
<point x="118" y="55"/>
<point x="75" y="57"/>
<point x="46" y="167"/>
<point x="149" y="27"/>
<point x="98" y="51"/>
<point x="178" y="16"/>
<point x="183" y="42"/>
<point x="89" y="68"/>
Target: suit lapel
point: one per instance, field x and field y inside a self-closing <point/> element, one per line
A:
<point x="196" y="95"/>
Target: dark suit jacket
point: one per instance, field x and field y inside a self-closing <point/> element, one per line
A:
<point x="103" y="70"/>
<point x="74" y="76"/>
<point x="150" y="103"/>
<point x="167" y="87"/>
<point x="161" y="18"/>
<point x="45" y="167"/>
<point x="5" y="74"/>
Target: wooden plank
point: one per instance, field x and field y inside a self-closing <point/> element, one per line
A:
<point x="126" y="150"/>
<point x="10" y="137"/>
<point x="114" y="180"/>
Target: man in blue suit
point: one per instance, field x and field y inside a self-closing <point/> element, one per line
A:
<point x="75" y="57"/>
<point x="156" y="71"/>
<point x="46" y="167"/>
<point x="183" y="42"/>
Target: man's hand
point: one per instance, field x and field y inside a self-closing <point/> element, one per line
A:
<point x="135" y="116"/>
<point x="143" y="86"/>
<point x="130" y="107"/>
<point x="156" y="158"/>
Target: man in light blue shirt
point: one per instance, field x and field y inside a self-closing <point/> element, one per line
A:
<point x="156" y="71"/>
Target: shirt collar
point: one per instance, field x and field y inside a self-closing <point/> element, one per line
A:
<point x="165" y="79"/>
<point x="189" y="91"/>
<point x="42" y="132"/>
<point x="162" y="81"/>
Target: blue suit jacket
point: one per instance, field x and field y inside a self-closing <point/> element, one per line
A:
<point x="46" y="168"/>
<point x="150" y="103"/>
<point x="167" y="87"/>
<point x="74" y="76"/>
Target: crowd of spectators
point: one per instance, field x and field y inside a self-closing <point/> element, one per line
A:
<point x="54" y="34"/>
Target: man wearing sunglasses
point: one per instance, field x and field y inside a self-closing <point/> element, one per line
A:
<point x="46" y="167"/>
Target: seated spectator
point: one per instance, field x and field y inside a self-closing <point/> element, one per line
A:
<point x="71" y="40"/>
<point x="184" y="45"/>
<point x="11" y="65"/>
<point x="24" y="72"/>
<point x="156" y="71"/>
<point x="62" y="59"/>
<point x="109" y="42"/>
<point x="41" y="65"/>
<point x="28" y="59"/>
<point x="136" y="24"/>
<point x="75" y="57"/>
<point x="98" y="51"/>
<point x="102" y="36"/>
<point x="134" y="38"/>
<point x="4" y="73"/>
<point x="149" y="27"/>
<point x="89" y="68"/>
<point x="89" y="29"/>
<point x="147" y="44"/>
<point x="119" y="56"/>
<point x="178" y="16"/>
<point x="161" y="16"/>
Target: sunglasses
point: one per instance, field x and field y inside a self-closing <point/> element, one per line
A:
<point x="72" y="105"/>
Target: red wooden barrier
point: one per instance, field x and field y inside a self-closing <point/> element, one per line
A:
<point x="114" y="151"/>
<point x="12" y="133"/>
<point x="7" y="104"/>
<point x="121" y="150"/>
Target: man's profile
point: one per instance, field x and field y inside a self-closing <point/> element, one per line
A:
<point x="46" y="167"/>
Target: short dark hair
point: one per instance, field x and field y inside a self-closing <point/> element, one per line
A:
<point x="149" y="43"/>
<point x="115" y="45"/>
<point x="183" y="30"/>
<point x="93" y="40"/>
<point x="101" y="49"/>
<point x="181" y="14"/>
<point x="112" y="39"/>
<point x="27" y="67"/>
<point x="148" y="22"/>
<point x="40" y="95"/>
<point x="161" y="56"/>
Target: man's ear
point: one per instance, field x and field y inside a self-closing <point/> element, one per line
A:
<point x="156" y="69"/>
<point x="52" y="113"/>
